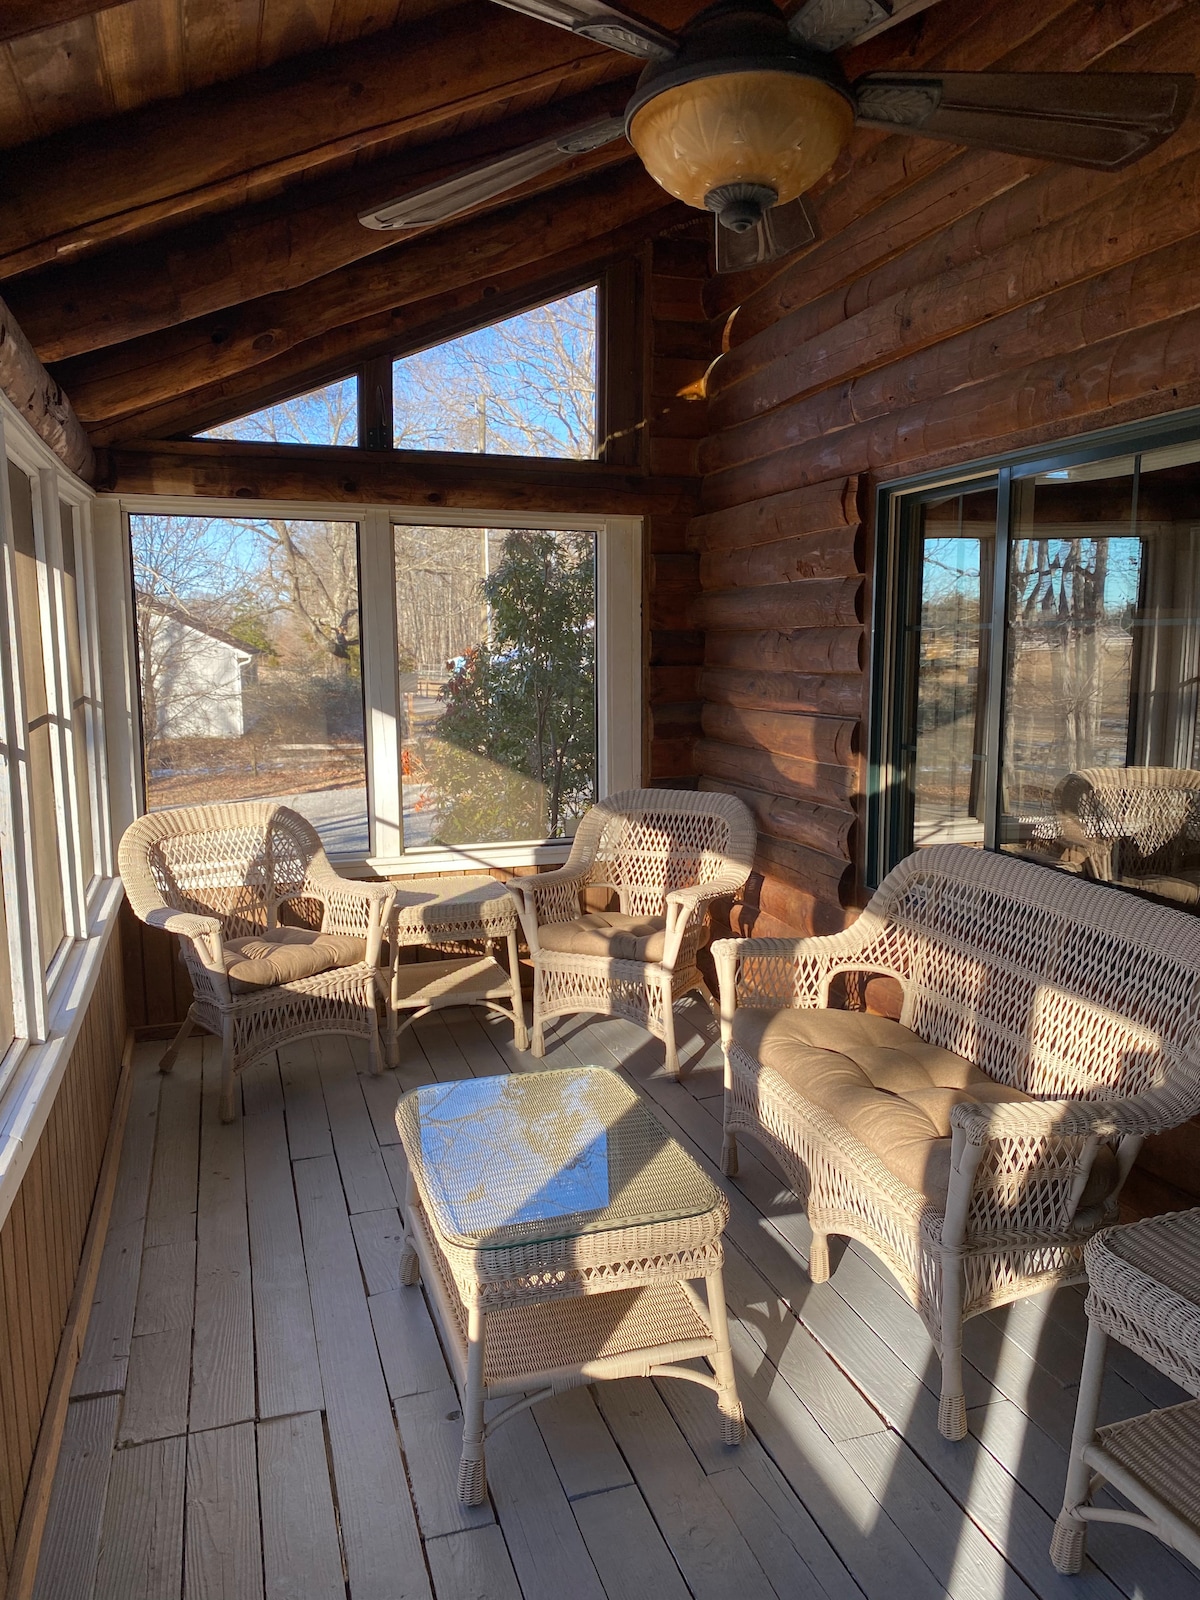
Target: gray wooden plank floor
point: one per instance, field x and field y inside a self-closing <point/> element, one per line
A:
<point x="264" y="1411"/>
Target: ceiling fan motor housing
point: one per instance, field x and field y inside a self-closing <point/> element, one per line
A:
<point x="743" y="117"/>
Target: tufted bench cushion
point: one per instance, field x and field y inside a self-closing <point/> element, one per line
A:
<point x="607" y="933"/>
<point x="886" y="1086"/>
<point x="286" y="954"/>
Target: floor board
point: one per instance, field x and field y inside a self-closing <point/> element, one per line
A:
<point x="262" y="1409"/>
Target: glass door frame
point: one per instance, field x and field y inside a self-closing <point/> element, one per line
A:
<point x="894" y="639"/>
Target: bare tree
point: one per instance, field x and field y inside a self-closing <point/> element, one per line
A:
<point x="526" y="386"/>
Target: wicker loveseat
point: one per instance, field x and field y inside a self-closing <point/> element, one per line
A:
<point x="218" y="876"/>
<point x="1048" y="1025"/>
<point x="665" y="854"/>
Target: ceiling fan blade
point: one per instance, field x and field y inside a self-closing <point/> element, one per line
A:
<point x="1086" y="119"/>
<point x="438" y="202"/>
<point x="607" y="24"/>
<point x="829" y="24"/>
<point x="779" y="231"/>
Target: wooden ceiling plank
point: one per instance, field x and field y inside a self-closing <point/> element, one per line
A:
<point x="141" y="47"/>
<point x="129" y="377"/>
<point x="61" y="76"/>
<point x="220" y="40"/>
<point x="178" y="156"/>
<point x="139" y="288"/>
<point x="399" y="331"/>
<point x="19" y="17"/>
<point x="16" y="119"/>
<point x="290" y="27"/>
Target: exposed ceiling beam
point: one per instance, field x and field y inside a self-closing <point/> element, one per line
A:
<point x="131" y="377"/>
<point x="397" y="332"/>
<point x="134" y="289"/>
<point x="87" y="185"/>
<point x="40" y="399"/>
<point x="331" y="473"/>
<point x="18" y="17"/>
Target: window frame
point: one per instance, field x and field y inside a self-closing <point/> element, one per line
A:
<point x="49" y="997"/>
<point x="618" y="661"/>
<point x="891" y="664"/>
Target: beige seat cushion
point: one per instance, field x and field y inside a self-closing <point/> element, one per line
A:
<point x="886" y="1086"/>
<point x="285" y="954"/>
<point x="607" y="933"/>
<point x="1183" y="887"/>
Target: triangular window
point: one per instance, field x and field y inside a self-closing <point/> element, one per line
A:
<point x="322" y="416"/>
<point x="522" y="387"/>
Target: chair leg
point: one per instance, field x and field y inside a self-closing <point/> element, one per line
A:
<point x="537" y="1045"/>
<point x="818" y="1258"/>
<point x="374" y="1054"/>
<point x="520" y="1032"/>
<point x="952" y="1408"/>
<point x="1070" y="1531"/>
<point x="172" y="1050"/>
<point x="668" y="1022"/>
<point x="227" y="1107"/>
<point x="729" y="1156"/>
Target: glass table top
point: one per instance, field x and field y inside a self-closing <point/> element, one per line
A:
<point x="545" y="1155"/>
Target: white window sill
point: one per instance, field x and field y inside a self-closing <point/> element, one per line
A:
<point x="29" y="1097"/>
<point x="466" y="858"/>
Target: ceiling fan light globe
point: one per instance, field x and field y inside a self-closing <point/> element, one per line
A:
<point x="775" y="129"/>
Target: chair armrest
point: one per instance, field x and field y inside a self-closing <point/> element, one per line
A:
<point x="352" y="906"/>
<point x="684" y="908"/>
<point x="203" y="949"/>
<point x="793" y="973"/>
<point x="545" y="897"/>
<point x="1021" y="1167"/>
<point x="1136" y="1116"/>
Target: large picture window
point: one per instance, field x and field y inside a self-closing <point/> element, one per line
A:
<point x="432" y="695"/>
<point x="496" y="636"/>
<point x="250" y="666"/>
<point x="1037" y="663"/>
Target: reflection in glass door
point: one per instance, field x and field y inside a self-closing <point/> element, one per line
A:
<point x="953" y="624"/>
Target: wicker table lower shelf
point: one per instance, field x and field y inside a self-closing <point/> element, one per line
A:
<point x="527" y="1318"/>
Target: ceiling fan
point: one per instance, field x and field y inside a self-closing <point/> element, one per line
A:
<point x="742" y="110"/>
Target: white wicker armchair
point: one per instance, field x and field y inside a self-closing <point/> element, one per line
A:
<point x="1056" y="1022"/>
<point x="667" y="853"/>
<point x="218" y="877"/>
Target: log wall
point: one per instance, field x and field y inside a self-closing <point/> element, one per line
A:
<point x="41" y="1241"/>
<point x="682" y="342"/>
<point x="960" y="304"/>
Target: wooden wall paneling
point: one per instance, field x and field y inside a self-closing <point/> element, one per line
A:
<point x="42" y="1239"/>
<point x="678" y="350"/>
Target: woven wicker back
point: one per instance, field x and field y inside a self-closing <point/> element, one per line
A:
<point x="1057" y="986"/>
<point x="235" y="862"/>
<point x="649" y="841"/>
<point x="1153" y="811"/>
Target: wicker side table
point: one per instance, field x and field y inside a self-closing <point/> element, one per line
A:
<point x="1144" y="1290"/>
<point x="452" y="911"/>
<point x="557" y="1227"/>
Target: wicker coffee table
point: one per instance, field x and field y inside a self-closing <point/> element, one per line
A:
<point x="1143" y="1290"/>
<point x="462" y="910"/>
<point x="557" y="1226"/>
